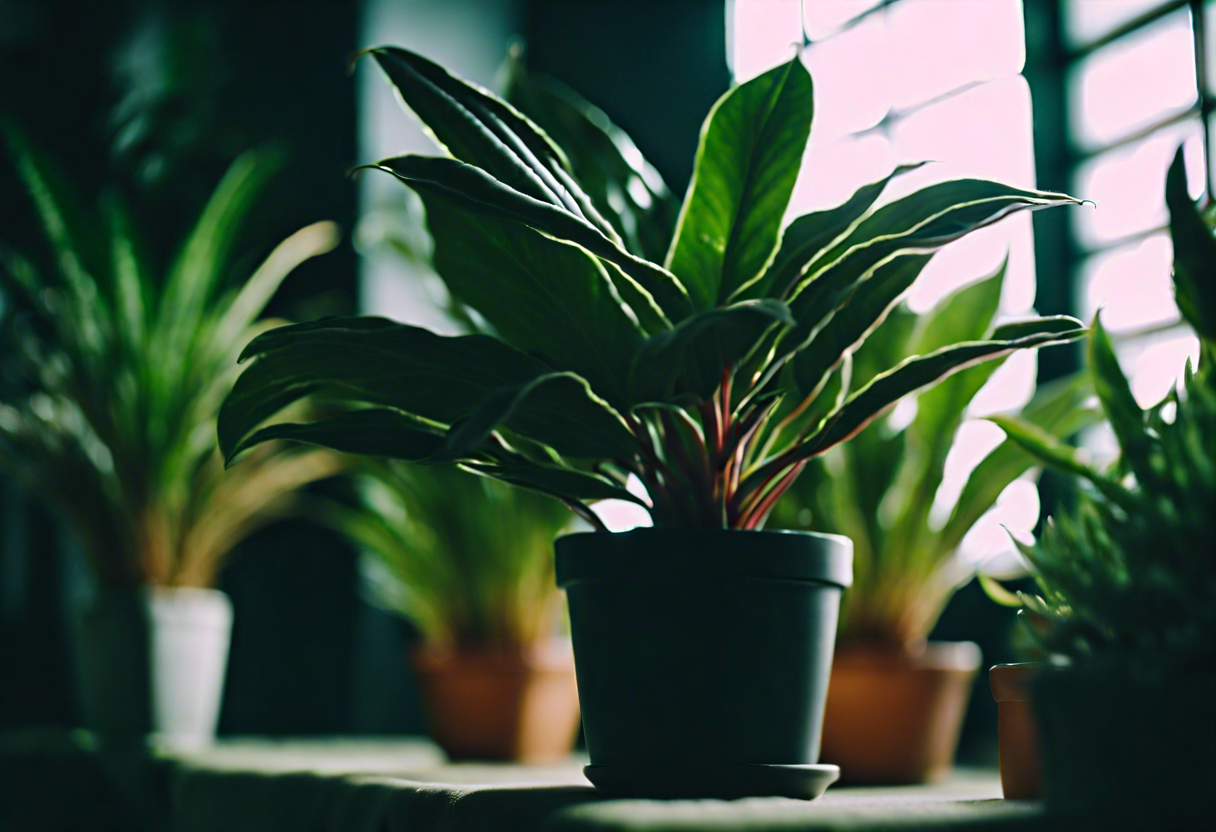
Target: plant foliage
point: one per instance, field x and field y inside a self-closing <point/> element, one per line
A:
<point x="121" y="369"/>
<point x="878" y="488"/>
<point x="711" y="374"/>
<point x="1132" y="570"/>
<point x="468" y="559"/>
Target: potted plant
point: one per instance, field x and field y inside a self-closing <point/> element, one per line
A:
<point x="1126" y="620"/>
<point x="896" y="702"/>
<point x="697" y="388"/>
<point x="469" y="561"/>
<point x="121" y="366"/>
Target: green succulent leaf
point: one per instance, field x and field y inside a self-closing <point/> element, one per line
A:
<point x="1194" y="253"/>
<point x="748" y="159"/>
<point x="1124" y="414"/>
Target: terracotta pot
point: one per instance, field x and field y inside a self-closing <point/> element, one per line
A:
<point x="894" y="716"/>
<point x="519" y="705"/>
<point x="1021" y="770"/>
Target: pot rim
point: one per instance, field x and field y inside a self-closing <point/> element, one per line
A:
<point x="730" y="553"/>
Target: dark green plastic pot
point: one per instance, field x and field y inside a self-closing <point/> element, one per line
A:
<point x="703" y="657"/>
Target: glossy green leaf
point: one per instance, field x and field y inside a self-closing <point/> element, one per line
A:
<point x="1124" y="414"/>
<point x="623" y="186"/>
<point x="556" y="409"/>
<point x="474" y="190"/>
<point x="856" y="321"/>
<point x="562" y="483"/>
<point x="690" y="358"/>
<point x="747" y="161"/>
<point x="477" y="127"/>
<point x="372" y="431"/>
<point x="808" y="235"/>
<point x="370" y="362"/>
<point x="862" y="407"/>
<point x="545" y="297"/>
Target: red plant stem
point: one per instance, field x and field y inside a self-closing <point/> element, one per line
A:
<point x="760" y="512"/>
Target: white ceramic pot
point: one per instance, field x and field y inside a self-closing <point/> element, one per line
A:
<point x="154" y="662"/>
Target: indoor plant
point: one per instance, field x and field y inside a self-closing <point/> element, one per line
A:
<point x="121" y="369"/>
<point x="896" y="703"/>
<point x="1126" y="621"/>
<point x="469" y="561"/>
<point x="710" y="380"/>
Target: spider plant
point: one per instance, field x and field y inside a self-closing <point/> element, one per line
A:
<point x="878" y="489"/>
<point x="122" y="366"/>
<point x="710" y="376"/>
<point x="467" y="559"/>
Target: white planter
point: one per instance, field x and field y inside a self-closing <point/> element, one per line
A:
<point x="154" y="662"/>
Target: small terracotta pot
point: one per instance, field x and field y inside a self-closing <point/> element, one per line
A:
<point x="1021" y="770"/>
<point x="894" y="716"/>
<point x="519" y="705"/>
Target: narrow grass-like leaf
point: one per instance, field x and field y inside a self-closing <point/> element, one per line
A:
<point x="749" y="154"/>
<point x="1194" y="253"/>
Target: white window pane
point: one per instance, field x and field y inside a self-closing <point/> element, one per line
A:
<point x="1128" y="185"/>
<point x="983" y="132"/>
<point x="1134" y="82"/>
<point x="1209" y="46"/>
<point x="823" y="17"/>
<point x="762" y="35"/>
<point x="1088" y="20"/>
<point x="851" y="87"/>
<point x="831" y="174"/>
<point x="1131" y="285"/>
<point x="940" y="45"/>
<point x="1155" y="365"/>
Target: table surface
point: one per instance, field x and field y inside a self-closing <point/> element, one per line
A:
<point x="397" y="786"/>
<point x="381" y="785"/>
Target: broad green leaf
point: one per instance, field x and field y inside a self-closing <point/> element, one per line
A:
<point x="750" y="151"/>
<point x="854" y="322"/>
<point x="922" y="222"/>
<point x="556" y="409"/>
<point x="690" y="358"/>
<point x="372" y="432"/>
<point x="545" y="297"/>
<point x="477" y="127"/>
<point x="1044" y="447"/>
<point x="808" y="235"/>
<point x="370" y="362"/>
<point x="866" y="404"/>
<point x="474" y="190"/>
<point x="562" y="483"/>
<point x="622" y="185"/>
<point x="1194" y="253"/>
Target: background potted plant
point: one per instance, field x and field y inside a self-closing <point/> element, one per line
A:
<point x="1126" y="620"/>
<point x="469" y="561"/>
<point x="119" y="367"/>
<point x="697" y="388"/>
<point x="896" y="702"/>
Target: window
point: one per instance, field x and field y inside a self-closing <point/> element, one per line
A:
<point x="1137" y="85"/>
